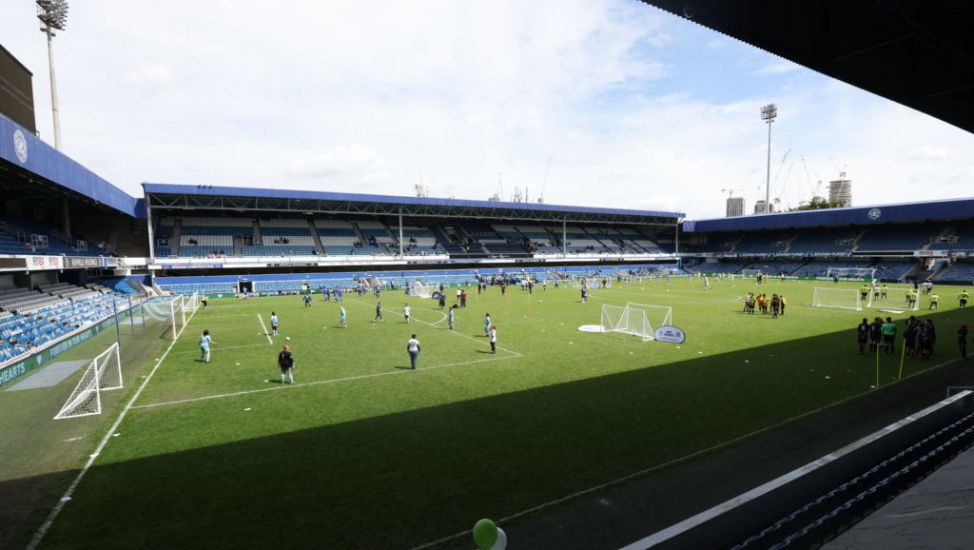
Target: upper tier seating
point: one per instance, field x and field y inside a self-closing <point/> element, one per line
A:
<point x="24" y="237"/>
<point x="958" y="272"/>
<point x="824" y="240"/>
<point x="899" y="238"/>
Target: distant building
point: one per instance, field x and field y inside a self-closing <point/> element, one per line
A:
<point x="735" y="206"/>
<point x="840" y="191"/>
<point x="16" y="91"/>
<point x="762" y="207"/>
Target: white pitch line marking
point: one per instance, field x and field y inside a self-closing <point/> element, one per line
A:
<point x="684" y="458"/>
<point x="221" y="348"/>
<point x="321" y="382"/>
<point x="263" y="326"/>
<point x="518" y="354"/>
<point x="39" y="535"/>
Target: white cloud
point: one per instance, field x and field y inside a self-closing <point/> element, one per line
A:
<point x="383" y="94"/>
<point x="151" y="75"/>
<point x="778" y="67"/>
<point x="931" y="152"/>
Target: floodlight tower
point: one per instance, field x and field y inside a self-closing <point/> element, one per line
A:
<point x="54" y="16"/>
<point x="768" y="113"/>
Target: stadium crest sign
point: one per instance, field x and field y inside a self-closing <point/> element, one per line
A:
<point x="20" y="146"/>
<point x="671" y="334"/>
<point x="874" y="213"/>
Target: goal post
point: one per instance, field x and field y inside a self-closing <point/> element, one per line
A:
<point x="420" y="289"/>
<point x="842" y="298"/>
<point x="751" y="272"/>
<point x="865" y="273"/>
<point x="104" y="373"/>
<point x="658" y="315"/>
<point x="640" y="320"/>
<point x="627" y="321"/>
<point x="170" y="309"/>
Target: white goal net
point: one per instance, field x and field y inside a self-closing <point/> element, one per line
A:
<point x="104" y="373"/>
<point x="421" y="290"/>
<point x="842" y="298"/>
<point x="750" y="272"/>
<point x="867" y="273"/>
<point x="192" y="302"/>
<point x="168" y="308"/>
<point x="635" y="319"/>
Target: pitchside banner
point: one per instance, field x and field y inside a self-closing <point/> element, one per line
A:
<point x="12" y="372"/>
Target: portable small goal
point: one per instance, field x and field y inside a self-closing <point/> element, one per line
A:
<point x="104" y="373"/>
<point x="841" y="298"/>
<point x="640" y="320"/>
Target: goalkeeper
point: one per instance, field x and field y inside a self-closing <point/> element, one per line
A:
<point x="962" y="298"/>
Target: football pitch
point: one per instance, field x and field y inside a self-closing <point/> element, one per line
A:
<point x="362" y="452"/>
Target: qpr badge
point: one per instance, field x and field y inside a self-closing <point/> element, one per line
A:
<point x="20" y="146"/>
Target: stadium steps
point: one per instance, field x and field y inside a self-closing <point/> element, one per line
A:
<point x="736" y="242"/>
<point x="238" y="245"/>
<point x="177" y="233"/>
<point x="315" y="238"/>
<point x="258" y="238"/>
<point x="788" y="243"/>
<point x="855" y="243"/>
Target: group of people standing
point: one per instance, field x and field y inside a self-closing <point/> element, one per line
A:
<point x="776" y="304"/>
<point x="919" y="337"/>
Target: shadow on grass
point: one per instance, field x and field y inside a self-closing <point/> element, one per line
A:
<point x="403" y="479"/>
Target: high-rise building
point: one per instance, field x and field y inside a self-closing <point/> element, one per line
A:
<point x="762" y="207"/>
<point x="840" y="191"/>
<point x="735" y="206"/>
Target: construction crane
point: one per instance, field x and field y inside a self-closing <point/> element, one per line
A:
<point x="545" y="184"/>
<point x="817" y="189"/>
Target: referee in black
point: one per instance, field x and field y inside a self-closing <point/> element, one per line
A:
<point x="285" y="360"/>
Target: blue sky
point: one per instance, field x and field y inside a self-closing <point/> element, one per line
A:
<point x="634" y="107"/>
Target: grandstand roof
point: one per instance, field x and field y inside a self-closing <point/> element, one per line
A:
<point x="182" y="196"/>
<point x="24" y="152"/>
<point x="919" y="54"/>
<point x="941" y="210"/>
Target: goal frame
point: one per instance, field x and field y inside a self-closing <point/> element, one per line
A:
<point x="95" y="379"/>
<point x="647" y="330"/>
<point x="623" y="321"/>
<point x="667" y="312"/>
<point x="821" y="290"/>
<point x="419" y="289"/>
<point x="857" y="273"/>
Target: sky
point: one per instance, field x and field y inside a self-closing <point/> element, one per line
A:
<point x="611" y="103"/>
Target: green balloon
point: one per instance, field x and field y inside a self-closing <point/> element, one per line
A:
<point x="484" y="534"/>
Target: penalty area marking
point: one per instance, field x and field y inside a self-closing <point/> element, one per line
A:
<point x="42" y="530"/>
<point x="515" y="353"/>
<point x="322" y="382"/>
<point x="221" y="348"/>
<point x="691" y="456"/>
<point x="263" y="326"/>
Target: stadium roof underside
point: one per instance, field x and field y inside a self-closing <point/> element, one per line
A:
<point x="207" y="197"/>
<point x="917" y="53"/>
<point x="939" y="211"/>
<point x="30" y="157"/>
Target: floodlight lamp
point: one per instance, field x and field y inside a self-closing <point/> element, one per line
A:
<point x="769" y="112"/>
<point x="53" y="13"/>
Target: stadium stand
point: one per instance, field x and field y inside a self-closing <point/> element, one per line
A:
<point x="42" y="322"/>
<point x="22" y="237"/>
<point x="960" y="272"/>
<point x="824" y="240"/>
<point x="896" y="238"/>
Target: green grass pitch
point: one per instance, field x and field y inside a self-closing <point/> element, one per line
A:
<point x="362" y="453"/>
